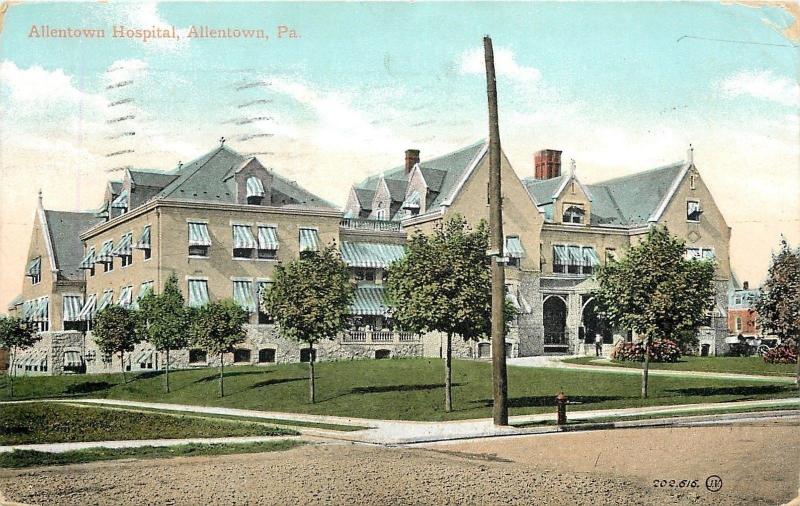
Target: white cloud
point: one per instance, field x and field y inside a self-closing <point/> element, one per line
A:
<point x="505" y="64"/>
<point x="763" y="85"/>
<point x="38" y="87"/>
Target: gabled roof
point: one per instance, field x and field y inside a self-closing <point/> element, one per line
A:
<point x="364" y="197"/>
<point x="204" y="180"/>
<point x="116" y="187"/>
<point x="64" y="229"/>
<point x="446" y="172"/>
<point x="628" y="200"/>
<point x="151" y="178"/>
<point x="397" y="189"/>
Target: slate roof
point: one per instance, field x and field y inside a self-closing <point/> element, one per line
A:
<point x="151" y="178"/>
<point x="64" y="229"/>
<point x="627" y="200"/>
<point x="365" y="197"/>
<point x="397" y="189"/>
<point x="446" y="171"/>
<point x="116" y="187"/>
<point x="204" y="180"/>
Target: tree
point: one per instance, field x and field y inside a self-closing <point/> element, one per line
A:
<point x="443" y="284"/>
<point x="309" y="300"/>
<point x="656" y="291"/>
<point x="217" y="328"/>
<point x="779" y="304"/>
<point x="15" y="334"/>
<point x="115" y="332"/>
<point x="163" y="320"/>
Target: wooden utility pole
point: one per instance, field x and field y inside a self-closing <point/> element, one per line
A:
<point x="499" y="375"/>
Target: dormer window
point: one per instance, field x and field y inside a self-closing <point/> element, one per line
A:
<point x="693" y="210"/>
<point x="255" y="191"/>
<point x="573" y="213"/>
<point x="34" y="270"/>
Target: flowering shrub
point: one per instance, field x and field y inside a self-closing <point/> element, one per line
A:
<point x="661" y="350"/>
<point x="785" y="353"/>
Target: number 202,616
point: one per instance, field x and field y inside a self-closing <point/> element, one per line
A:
<point x="676" y="483"/>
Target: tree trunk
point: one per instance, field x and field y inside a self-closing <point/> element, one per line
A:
<point x="499" y="373"/>
<point x="122" y="367"/>
<point x="14" y="367"/>
<point x="311" y="392"/>
<point x="167" y="369"/>
<point x="645" y="366"/>
<point x="448" y="374"/>
<point x="221" y="375"/>
<point x="797" y="352"/>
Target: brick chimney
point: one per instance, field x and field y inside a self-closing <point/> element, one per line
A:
<point x="412" y="158"/>
<point x="745" y="286"/>
<point x="547" y="163"/>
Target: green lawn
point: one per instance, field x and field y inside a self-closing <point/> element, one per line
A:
<point x="740" y="365"/>
<point x="29" y="458"/>
<point x="56" y="423"/>
<point x="405" y="389"/>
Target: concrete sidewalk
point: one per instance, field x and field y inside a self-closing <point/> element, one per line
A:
<point x="558" y="363"/>
<point x="396" y="432"/>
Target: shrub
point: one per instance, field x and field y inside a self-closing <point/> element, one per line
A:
<point x="785" y="353"/>
<point x="661" y="350"/>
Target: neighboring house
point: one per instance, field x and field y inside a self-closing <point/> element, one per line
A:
<point x="742" y="314"/>
<point x="223" y="221"/>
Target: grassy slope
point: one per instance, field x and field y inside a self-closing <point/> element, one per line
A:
<point x="28" y="458"/>
<point x="55" y="423"/>
<point x="409" y="389"/>
<point x="738" y="365"/>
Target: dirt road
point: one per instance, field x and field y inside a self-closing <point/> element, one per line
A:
<point x="525" y="470"/>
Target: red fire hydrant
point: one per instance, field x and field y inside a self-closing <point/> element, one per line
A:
<point x="561" y="407"/>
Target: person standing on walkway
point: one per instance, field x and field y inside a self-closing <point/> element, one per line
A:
<point x="598" y="344"/>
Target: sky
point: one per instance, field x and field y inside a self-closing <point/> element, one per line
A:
<point x="619" y="87"/>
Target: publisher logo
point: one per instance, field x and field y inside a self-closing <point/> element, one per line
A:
<point x="713" y="483"/>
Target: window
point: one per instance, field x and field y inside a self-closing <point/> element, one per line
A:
<point x="267" y="243"/>
<point x="243" y="242"/>
<point x="127" y="260"/>
<point x="147" y="253"/>
<point x="381" y="354"/>
<point x="364" y="274"/>
<point x="693" y="210"/>
<point x="243" y="295"/>
<point x="308" y="354"/>
<point x="560" y="259"/>
<point x="380" y="214"/>
<point x="241" y="355"/>
<point x="36" y="278"/>
<point x="513" y="250"/>
<point x="199" y="239"/>
<point x="263" y="317"/>
<point x="266" y="356"/>
<point x="197" y="356"/>
<point x="144" y="242"/>
<point x="198" y="292"/>
<point x="255" y="190"/>
<point x="700" y="254"/>
<point x="34" y="270"/>
<point x="575" y="264"/>
<point x="738" y="323"/>
<point x="109" y="266"/>
<point x="573" y="213"/>
<point x="254" y="200"/>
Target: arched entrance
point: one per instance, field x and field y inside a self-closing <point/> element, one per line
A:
<point x="554" y="311"/>
<point x="592" y="323"/>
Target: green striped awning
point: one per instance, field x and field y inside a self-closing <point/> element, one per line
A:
<point x="105" y="300"/>
<point x="368" y="254"/>
<point x="590" y="256"/>
<point x="412" y="201"/>
<point x="88" y="309"/>
<point x="144" y="239"/>
<point x="28" y="309"/>
<point x="243" y="295"/>
<point x="255" y="188"/>
<point x="309" y="240"/>
<point x="121" y="202"/>
<point x="575" y="255"/>
<point x="72" y="307"/>
<point x="198" y="235"/>
<point x="198" y="292"/>
<point x="370" y="300"/>
<point x="267" y="238"/>
<point x="104" y="257"/>
<point x="514" y="247"/>
<point x="560" y="256"/>
<point x="88" y="260"/>
<point x="125" y="296"/>
<point x="124" y="246"/>
<point x="73" y="359"/>
<point x="34" y="267"/>
<point x="243" y="237"/>
<point x="42" y="309"/>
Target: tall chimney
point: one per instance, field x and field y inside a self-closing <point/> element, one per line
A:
<point x="745" y="286"/>
<point x="412" y="158"/>
<point x="547" y="163"/>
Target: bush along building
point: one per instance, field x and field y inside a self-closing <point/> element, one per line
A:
<point x="223" y="221"/>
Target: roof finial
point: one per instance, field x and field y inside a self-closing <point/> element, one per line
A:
<point x="222" y="141"/>
<point x="690" y="155"/>
<point x="572" y="167"/>
<point x="41" y="199"/>
<point x="180" y="164"/>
